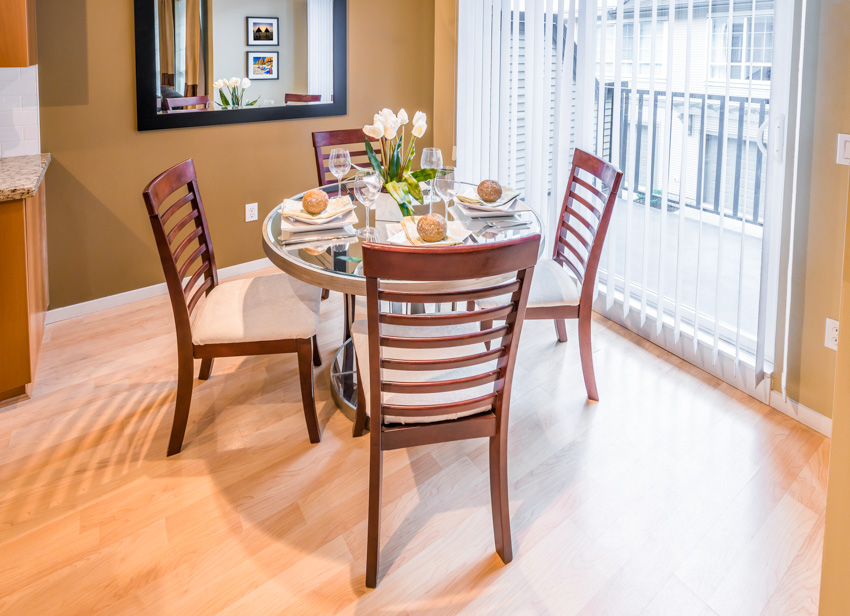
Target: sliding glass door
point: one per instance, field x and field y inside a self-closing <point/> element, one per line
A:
<point x="688" y="98"/>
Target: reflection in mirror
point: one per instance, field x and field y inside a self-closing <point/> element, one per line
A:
<point x="207" y="51"/>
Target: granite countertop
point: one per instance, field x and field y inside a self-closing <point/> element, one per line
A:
<point x="20" y="176"/>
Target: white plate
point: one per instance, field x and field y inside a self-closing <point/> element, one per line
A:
<point x="299" y="226"/>
<point x="470" y="197"/>
<point x="515" y="207"/>
<point x="396" y="235"/>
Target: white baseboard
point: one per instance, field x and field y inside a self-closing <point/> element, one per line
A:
<point x="803" y="414"/>
<point x="103" y="303"/>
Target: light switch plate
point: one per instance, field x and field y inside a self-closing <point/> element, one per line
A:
<point x="251" y="212"/>
<point x="843" y="157"/>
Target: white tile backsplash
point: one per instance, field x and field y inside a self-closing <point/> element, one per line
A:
<point x="20" y="132"/>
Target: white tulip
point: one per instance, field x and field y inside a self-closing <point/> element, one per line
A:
<point x="246" y="83"/>
<point x="233" y="82"/>
<point x="374" y="131"/>
<point x="419" y="118"/>
<point x="419" y="129"/>
<point x="378" y="121"/>
<point x="391" y="129"/>
<point x="402" y="117"/>
<point x="219" y="84"/>
<point x="388" y="116"/>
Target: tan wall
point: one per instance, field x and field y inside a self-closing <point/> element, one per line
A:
<point x="822" y="200"/>
<point x="99" y="238"/>
<point x="445" y="76"/>
<point x="835" y="592"/>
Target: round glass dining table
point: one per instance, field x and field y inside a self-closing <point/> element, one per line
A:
<point x="331" y="258"/>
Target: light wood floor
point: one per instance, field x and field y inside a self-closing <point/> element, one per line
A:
<point x="675" y="495"/>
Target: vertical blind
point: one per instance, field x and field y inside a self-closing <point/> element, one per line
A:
<point x="677" y="94"/>
<point x="320" y="67"/>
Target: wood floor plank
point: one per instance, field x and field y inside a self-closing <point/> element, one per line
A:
<point x="667" y="496"/>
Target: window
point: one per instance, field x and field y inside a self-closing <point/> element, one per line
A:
<point x="747" y="53"/>
<point x="645" y="48"/>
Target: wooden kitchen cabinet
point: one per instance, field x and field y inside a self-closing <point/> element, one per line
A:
<point x="23" y="291"/>
<point x="17" y="33"/>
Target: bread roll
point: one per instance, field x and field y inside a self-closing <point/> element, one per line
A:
<point x="315" y="201"/>
<point x="490" y="191"/>
<point x="432" y="227"/>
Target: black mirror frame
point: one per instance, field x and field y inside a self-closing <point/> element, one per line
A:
<point x="149" y="119"/>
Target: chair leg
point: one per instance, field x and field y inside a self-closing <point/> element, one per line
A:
<point x="561" y="329"/>
<point x="486" y="325"/>
<point x="587" y="355"/>
<point x="360" y="412"/>
<point x="317" y="357"/>
<point x="305" y="371"/>
<point x="185" y="381"/>
<point x="499" y="497"/>
<point x="206" y="368"/>
<point x="373" y="534"/>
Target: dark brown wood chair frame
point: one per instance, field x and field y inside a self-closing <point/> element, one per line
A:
<point x="173" y="245"/>
<point x="515" y="261"/>
<point x="583" y="225"/>
<point x="354" y="138"/>
<point x="301" y="98"/>
<point x="173" y="104"/>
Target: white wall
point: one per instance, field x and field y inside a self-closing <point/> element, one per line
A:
<point x="19" y="123"/>
<point x="230" y="45"/>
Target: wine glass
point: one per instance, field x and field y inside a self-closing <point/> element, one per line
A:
<point x="367" y="186"/>
<point x="445" y="184"/>
<point x="432" y="158"/>
<point x="339" y="164"/>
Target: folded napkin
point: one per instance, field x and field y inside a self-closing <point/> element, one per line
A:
<point x="336" y="206"/>
<point x="470" y="197"/>
<point x="408" y="236"/>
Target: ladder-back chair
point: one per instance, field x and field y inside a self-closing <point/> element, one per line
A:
<point x="563" y="285"/>
<point x="427" y="378"/>
<point x="351" y="139"/>
<point x="256" y="316"/>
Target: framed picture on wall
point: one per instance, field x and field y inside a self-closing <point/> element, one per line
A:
<point x="262" y="65"/>
<point x="263" y="31"/>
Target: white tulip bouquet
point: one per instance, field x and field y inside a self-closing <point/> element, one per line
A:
<point x="235" y="96"/>
<point x="401" y="183"/>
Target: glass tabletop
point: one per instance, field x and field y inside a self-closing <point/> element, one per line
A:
<point x="338" y="251"/>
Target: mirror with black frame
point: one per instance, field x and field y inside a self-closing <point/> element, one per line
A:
<point x="203" y="62"/>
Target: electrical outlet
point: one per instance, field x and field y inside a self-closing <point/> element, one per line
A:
<point x="251" y="211"/>
<point x="843" y="156"/>
<point x="831" y="341"/>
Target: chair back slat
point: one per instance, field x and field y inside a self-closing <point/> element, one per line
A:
<point x="172" y="104"/>
<point x="427" y="297"/>
<point x="586" y="212"/>
<point x="301" y="98"/>
<point x="352" y="139"/>
<point x="401" y="344"/>
<point x="188" y="235"/>
<point x="442" y="364"/>
<point x="421" y="411"/>
<point x="456" y="318"/>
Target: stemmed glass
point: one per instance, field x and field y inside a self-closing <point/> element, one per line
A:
<point x="432" y="158"/>
<point x="339" y="164"/>
<point x="445" y="184"/>
<point x="367" y="187"/>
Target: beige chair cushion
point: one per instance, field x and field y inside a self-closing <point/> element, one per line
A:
<point x="360" y="334"/>
<point x="551" y="285"/>
<point x="252" y="309"/>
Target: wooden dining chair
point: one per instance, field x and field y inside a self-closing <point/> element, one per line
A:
<point x="174" y="104"/>
<point x="256" y="316"/>
<point x="563" y="285"/>
<point x="301" y="98"/>
<point x="351" y="139"/>
<point x="427" y="378"/>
